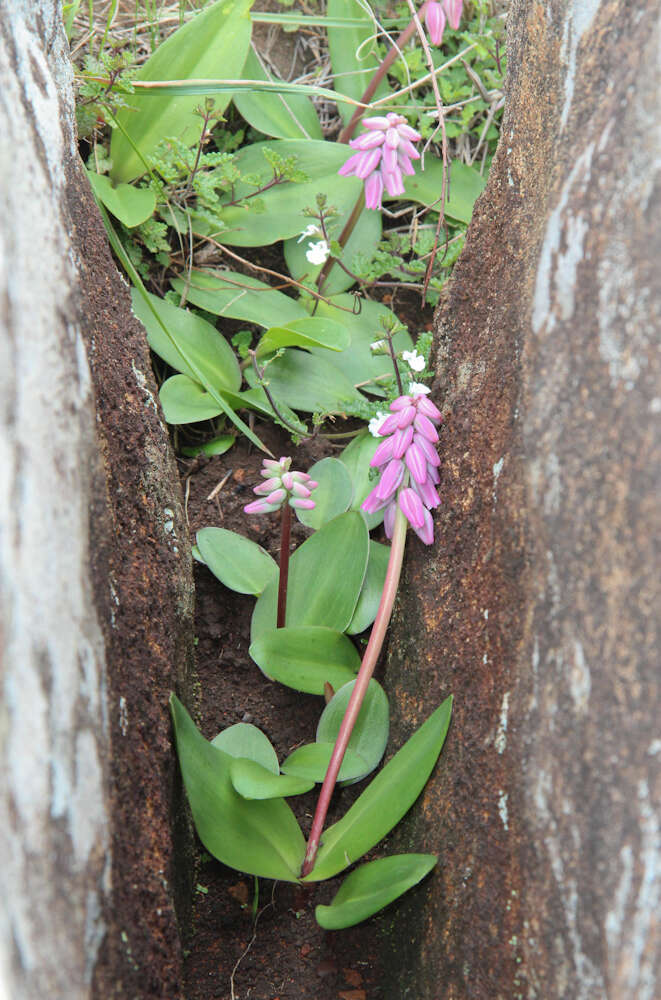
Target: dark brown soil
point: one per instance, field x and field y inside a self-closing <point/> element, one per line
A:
<point x="285" y="955"/>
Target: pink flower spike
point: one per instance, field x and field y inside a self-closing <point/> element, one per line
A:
<point x="425" y="427"/>
<point x="383" y="453"/>
<point x="427" y="407"/>
<point x="368" y="140"/>
<point x="412" y="507"/>
<point x="389" y="518"/>
<point x="435" y="21"/>
<point x="374" y="191"/>
<point x="426" y="532"/>
<point x="416" y="464"/>
<point x="400" y="403"/>
<point x="391" y="479"/>
<point x="377" y="122"/>
<point x="401" y="441"/>
<point x="301" y="503"/>
<point x="453" y="11"/>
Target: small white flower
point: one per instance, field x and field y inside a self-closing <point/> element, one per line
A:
<point x="310" y="230"/>
<point x="415" y="361"/>
<point x="375" y="423"/>
<point x="379" y="347"/>
<point x="318" y="252"/>
<point x="418" y="389"/>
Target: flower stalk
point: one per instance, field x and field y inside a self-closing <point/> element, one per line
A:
<point x="367" y="666"/>
<point x="285" y="534"/>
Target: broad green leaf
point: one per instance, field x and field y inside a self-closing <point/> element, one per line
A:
<point x="247" y="742"/>
<point x="326" y="575"/>
<point x="309" y="383"/>
<point x="252" y="781"/>
<point x="238" y="562"/>
<point x="363" y="240"/>
<point x="371" y="887"/>
<point x="196" y="554"/>
<point x="227" y="293"/>
<point x="311" y="761"/>
<point x="465" y="184"/>
<point x="331" y="497"/>
<point x="358" y="364"/>
<point x="353" y="53"/>
<point x="306" y="657"/>
<point x="313" y="331"/>
<point x="357" y="457"/>
<point x="370" y="595"/>
<point x="129" y="204"/>
<point x="284" y="116"/>
<point x="204" y="345"/>
<point x="218" y="36"/>
<point x="370" y="733"/>
<point x="259" y="838"/>
<point x="218" y="446"/>
<point x="385" y="800"/>
<point x="278" y="214"/>
<point x="184" y="401"/>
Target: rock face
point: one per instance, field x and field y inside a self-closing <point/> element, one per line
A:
<point x="539" y="606"/>
<point x="95" y="585"/>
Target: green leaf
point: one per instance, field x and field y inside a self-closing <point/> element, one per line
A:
<point x="306" y="657"/>
<point x="325" y="598"/>
<point x="332" y="496"/>
<point x="358" y="364"/>
<point x="259" y="838"/>
<point x="311" y="761"/>
<point x="353" y="56"/>
<point x="370" y="595"/>
<point x="252" y="781"/>
<point x="217" y="446"/>
<point x="247" y="742"/>
<point x="228" y="293"/>
<point x="238" y="562"/>
<point x="363" y="240"/>
<point x="203" y="344"/>
<point x="219" y="36"/>
<point x="385" y="800"/>
<point x="371" y="887"/>
<point x="312" y="331"/>
<point x="280" y="215"/>
<point x="370" y="733"/>
<point x="465" y="184"/>
<point x="357" y="457"/>
<point x="285" y="116"/>
<point x="184" y="401"/>
<point x="129" y="204"/>
<point x="308" y="383"/>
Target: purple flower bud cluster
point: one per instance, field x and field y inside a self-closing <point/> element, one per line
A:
<point x="281" y="486"/>
<point x="409" y="466"/>
<point x="384" y="153"/>
<point x="436" y="16"/>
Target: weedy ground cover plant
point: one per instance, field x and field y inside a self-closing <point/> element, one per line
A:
<point x="195" y="175"/>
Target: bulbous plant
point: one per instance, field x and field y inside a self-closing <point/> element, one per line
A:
<point x="338" y="583"/>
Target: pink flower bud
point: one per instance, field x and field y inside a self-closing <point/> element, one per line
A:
<point x="435" y="21"/>
<point x="391" y="479"/>
<point x="426" y="406"/>
<point x="276" y="497"/>
<point x="301" y="503"/>
<point x="427" y="449"/>
<point x="389" y="425"/>
<point x="300" y="491"/>
<point x="263" y="489"/>
<point x="372" y="503"/>
<point x="425" y="427"/>
<point x="368" y="140"/>
<point x="376" y="122"/>
<point x="401" y="441"/>
<point x="389" y="518"/>
<point x="426" y="531"/>
<point x="411" y="506"/>
<point x="400" y="403"/>
<point x="406" y="417"/>
<point x="374" y="190"/>
<point x="260" y="507"/>
<point x="383" y="453"/>
<point x="416" y="463"/>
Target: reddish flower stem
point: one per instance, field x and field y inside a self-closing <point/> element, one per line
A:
<point x="370" y="658"/>
<point x="285" y="532"/>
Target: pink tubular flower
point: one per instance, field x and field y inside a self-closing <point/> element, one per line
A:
<point x="409" y="466"/>
<point x="436" y="16"/>
<point x="280" y="486"/>
<point x="384" y="155"/>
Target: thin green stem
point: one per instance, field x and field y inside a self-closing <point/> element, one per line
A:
<point x="370" y="658"/>
<point x="285" y="533"/>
